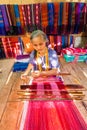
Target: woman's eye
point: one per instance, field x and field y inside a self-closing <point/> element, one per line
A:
<point x="35" y="45"/>
<point x="41" y="44"/>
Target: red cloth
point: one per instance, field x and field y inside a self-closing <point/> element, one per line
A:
<point x="74" y="51"/>
<point x="51" y="114"/>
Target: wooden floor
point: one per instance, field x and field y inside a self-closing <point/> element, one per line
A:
<point x="11" y="110"/>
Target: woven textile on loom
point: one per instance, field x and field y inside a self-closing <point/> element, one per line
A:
<point x="50" y="114"/>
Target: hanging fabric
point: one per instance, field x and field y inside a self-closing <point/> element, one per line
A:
<point x="44" y="16"/>
<point x="2" y="54"/>
<point x="63" y="41"/>
<point x="51" y="40"/>
<point x="60" y="18"/>
<point x="13" y="29"/>
<point x="81" y="22"/>
<point x="85" y="17"/>
<point x="21" y="18"/>
<point x="56" y="10"/>
<point x="65" y="19"/>
<point x="37" y="15"/>
<point x="29" y="17"/>
<point x="77" y="17"/>
<point x="24" y="17"/>
<point x="69" y="16"/>
<point x="50" y="17"/>
<point x="17" y="17"/>
<point x="58" y="44"/>
<point x="2" y="27"/>
<point x="5" y="18"/>
<point x="72" y="17"/>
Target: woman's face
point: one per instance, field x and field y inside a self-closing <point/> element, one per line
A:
<point x="39" y="44"/>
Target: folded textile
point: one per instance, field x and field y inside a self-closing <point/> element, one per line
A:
<point x="74" y="51"/>
<point x="18" y="66"/>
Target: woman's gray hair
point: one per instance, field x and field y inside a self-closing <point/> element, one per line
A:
<point x="37" y="33"/>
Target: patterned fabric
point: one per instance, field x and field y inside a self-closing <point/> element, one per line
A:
<point x="64" y="42"/>
<point x="28" y="47"/>
<point x="60" y="18"/>
<point x="5" y="18"/>
<point x="74" y="51"/>
<point x="2" y="28"/>
<point x="53" y="60"/>
<point x="21" y="17"/>
<point x="11" y="47"/>
<point x="56" y="10"/>
<point x="50" y="17"/>
<point x="12" y="14"/>
<point x="24" y="15"/>
<point x="8" y="15"/>
<point x="17" y="15"/>
<point x="65" y="18"/>
<point x="52" y="42"/>
<point x="72" y="18"/>
<point x="19" y="66"/>
<point x="44" y="16"/>
<point x="37" y="15"/>
<point x="21" y="63"/>
<point x="29" y="14"/>
<point x="42" y="111"/>
<point x="2" y="54"/>
<point x="59" y="44"/>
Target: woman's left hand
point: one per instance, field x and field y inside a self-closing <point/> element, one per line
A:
<point x="36" y="74"/>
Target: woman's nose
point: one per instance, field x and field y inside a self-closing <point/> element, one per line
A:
<point x="38" y="47"/>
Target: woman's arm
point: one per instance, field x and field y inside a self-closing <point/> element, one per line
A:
<point x="25" y="74"/>
<point x="45" y="73"/>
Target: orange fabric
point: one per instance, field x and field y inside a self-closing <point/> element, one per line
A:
<point x="21" y="16"/>
<point x="65" y="14"/>
<point x="44" y="15"/>
<point x="28" y="47"/>
<point x="51" y="38"/>
<point x="56" y="10"/>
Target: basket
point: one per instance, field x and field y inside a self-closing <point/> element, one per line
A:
<point x="78" y="58"/>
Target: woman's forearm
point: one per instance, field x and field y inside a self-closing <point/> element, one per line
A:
<point x="49" y="72"/>
<point x="30" y="66"/>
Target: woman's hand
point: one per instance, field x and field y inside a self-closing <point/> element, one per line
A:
<point x="35" y="74"/>
<point x="23" y="76"/>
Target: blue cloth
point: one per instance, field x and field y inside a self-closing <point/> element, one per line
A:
<point x="18" y="66"/>
<point x="52" y="56"/>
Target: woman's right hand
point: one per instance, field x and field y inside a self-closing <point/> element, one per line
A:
<point x="23" y="76"/>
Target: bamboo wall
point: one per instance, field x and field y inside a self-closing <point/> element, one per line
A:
<point x="36" y="1"/>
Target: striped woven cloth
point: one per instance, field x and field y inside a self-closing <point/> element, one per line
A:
<point x="5" y="17"/>
<point x="2" y="26"/>
<point x="48" y="113"/>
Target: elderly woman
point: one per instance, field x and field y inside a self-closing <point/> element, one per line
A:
<point x="43" y="60"/>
